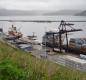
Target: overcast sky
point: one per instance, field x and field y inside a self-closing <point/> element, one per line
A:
<point x="42" y="4"/>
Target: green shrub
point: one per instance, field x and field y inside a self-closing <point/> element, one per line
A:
<point x="10" y="71"/>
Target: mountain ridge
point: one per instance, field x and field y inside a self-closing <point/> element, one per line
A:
<point x="5" y="12"/>
<point x="64" y="12"/>
<point x="83" y="13"/>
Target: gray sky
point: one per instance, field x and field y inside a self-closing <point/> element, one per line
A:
<point x="42" y="4"/>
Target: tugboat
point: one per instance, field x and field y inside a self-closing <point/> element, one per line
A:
<point x="13" y="32"/>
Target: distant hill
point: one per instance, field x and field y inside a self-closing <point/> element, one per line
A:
<point x="4" y="12"/>
<point x="63" y="12"/>
<point x="83" y="13"/>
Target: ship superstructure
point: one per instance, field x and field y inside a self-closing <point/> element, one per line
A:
<point x="14" y="32"/>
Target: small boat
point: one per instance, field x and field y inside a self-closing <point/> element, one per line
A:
<point x="32" y="37"/>
<point x="25" y="47"/>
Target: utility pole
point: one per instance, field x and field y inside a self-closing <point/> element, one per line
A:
<point x="45" y="43"/>
<point x="53" y="42"/>
<point x="66" y="42"/>
<point x="60" y="41"/>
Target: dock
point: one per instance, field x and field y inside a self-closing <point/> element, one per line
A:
<point x="37" y="50"/>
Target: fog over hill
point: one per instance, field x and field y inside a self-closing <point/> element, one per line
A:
<point x="63" y="12"/>
<point x="83" y="13"/>
<point x="5" y="12"/>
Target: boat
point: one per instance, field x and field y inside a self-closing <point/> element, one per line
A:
<point x="25" y="47"/>
<point x="14" y="32"/>
<point x="32" y="37"/>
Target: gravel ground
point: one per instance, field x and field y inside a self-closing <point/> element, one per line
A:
<point x="62" y="59"/>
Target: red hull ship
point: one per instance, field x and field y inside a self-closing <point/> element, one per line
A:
<point x="14" y="32"/>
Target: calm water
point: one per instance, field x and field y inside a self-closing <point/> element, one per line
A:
<point x="27" y="28"/>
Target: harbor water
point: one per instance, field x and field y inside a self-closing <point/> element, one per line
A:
<point x="27" y="28"/>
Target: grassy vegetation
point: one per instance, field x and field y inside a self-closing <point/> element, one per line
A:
<point x="19" y="65"/>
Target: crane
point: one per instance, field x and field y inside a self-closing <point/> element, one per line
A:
<point x="63" y="30"/>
